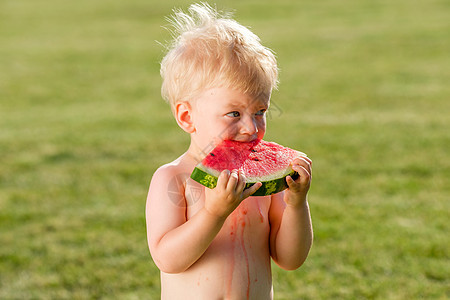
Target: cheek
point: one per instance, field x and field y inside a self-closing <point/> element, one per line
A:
<point x="214" y="130"/>
<point x="226" y="130"/>
<point x="261" y="124"/>
<point x="261" y="128"/>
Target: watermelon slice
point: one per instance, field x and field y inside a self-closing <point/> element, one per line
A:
<point x="261" y="161"/>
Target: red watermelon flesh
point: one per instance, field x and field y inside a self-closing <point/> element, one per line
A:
<point x="261" y="161"/>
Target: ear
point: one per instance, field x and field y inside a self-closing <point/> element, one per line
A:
<point x="183" y="115"/>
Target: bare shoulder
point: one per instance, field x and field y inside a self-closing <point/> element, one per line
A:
<point x="175" y="170"/>
<point x="165" y="208"/>
<point x="166" y="172"/>
<point x="169" y="181"/>
<point x="166" y="203"/>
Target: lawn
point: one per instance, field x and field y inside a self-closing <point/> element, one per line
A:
<point x="364" y="91"/>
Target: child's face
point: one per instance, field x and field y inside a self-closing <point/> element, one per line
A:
<point x="226" y="114"/>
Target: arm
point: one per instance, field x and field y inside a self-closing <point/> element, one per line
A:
<point x="291" y="228"/>
<point x="168" y="231"/>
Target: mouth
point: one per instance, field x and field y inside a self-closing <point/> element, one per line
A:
<point x="246" y="140"/>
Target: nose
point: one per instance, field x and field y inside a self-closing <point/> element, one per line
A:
<point x="248" y="125"/>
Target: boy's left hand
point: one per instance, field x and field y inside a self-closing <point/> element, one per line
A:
<point x="298" y="188"/>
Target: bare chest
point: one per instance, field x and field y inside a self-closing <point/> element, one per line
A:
<point x="251" y="213"/>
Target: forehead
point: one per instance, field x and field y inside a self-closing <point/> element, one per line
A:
<point x="247" y="102"/>
<point x="229" y="98"/>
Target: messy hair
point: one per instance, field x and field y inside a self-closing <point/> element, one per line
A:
<point x="212" y="50"/>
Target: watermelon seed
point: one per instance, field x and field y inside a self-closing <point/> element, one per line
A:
<point x="255" y="159"/>
<point x="253" y="150"/>
<point x="212" y="154"/>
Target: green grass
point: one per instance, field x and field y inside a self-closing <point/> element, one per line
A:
<point x="364" y="91"/>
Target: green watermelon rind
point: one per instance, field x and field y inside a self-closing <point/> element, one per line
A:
<point x="268" y="187"/>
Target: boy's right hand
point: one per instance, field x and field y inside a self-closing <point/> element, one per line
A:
<point x="228" y="194"/>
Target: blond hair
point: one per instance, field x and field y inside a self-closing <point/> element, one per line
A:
<point x="211" y="50"/>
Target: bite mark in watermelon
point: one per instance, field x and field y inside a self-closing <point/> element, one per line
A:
<point x="261" y="161"/>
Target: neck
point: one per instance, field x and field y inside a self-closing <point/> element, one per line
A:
<point x="196" y="153"/>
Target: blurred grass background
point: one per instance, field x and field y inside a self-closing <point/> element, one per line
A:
<point x="364" y="91"/>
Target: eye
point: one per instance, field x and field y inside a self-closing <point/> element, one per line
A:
<point x="234" y="114"/>
<point x="261" y="112"/>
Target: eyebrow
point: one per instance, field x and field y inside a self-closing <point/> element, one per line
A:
<point x="234" y="105"/>
<point x="237" y="104"/>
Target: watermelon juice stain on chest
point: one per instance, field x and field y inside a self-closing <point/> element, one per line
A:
<point x="238" y="235"/>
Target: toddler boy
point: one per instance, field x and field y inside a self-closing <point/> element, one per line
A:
<point x="218" y="243"/>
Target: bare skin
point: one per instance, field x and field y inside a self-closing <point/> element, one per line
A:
<point x="217" y="244"/>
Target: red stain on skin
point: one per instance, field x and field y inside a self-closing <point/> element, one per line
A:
<point x="233" y="226"/>
<point x="246" y="259"/>
<point x="261" y="216"/>
<point x="238" y="246"/>
<point x="240" y="249"/>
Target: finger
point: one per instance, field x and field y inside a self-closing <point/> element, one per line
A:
<point x="251" y="190"/>
<point x="241" y="183"/>
<point x="304" y="174"/>
<point x="290" y="182"/>
<point x="302" y="161"/>
<point x="307" y="159"/>
<point x="232" y="181"/>
<point x="223" y="179"/>
<point x="304" y="157"/>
